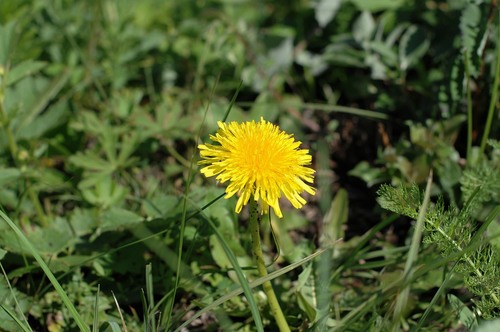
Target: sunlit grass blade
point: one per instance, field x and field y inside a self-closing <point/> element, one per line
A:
<point x="440" y="292"/>
<point x="347" y="110"/>
<point x="330" y="108"/>
<point x="15" y="299"/>
<point x="150" y="313"/>
<point x="347" y="261"/>
<point x="64" y="297"/>
<point x="124" y="326"/>
<point x="95" y="326"/>
<point x="20" y="324"/>
<point x="144" y="235"/>
<point x="167" y="255"/>
<point x="356" y="312"/>
<point x="474" y="243"/>
<point x="189" y="179"/>
<point x="233" y="100"/>
<point x="144" y="302"/>
<point x="241" y="277"/>
<point x="469" y="108"/>
<point x="253" y="284"/>
<point x="114" y="326"/>
<point x="403" y="296"/>
<point x="494" y="97"/>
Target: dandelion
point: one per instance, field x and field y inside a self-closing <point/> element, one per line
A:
<point x="260" y="161"/>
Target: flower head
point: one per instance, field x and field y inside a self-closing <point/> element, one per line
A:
<point x="259" y="161"/>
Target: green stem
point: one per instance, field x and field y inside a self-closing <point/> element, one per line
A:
<point x="274" y="305"/>
<point x="38" y="206"/>
<point x="493" y="100"/>
<point x="469" y="109"/>
<point x="404" y="295"/>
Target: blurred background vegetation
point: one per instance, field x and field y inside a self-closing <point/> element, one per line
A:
<point x="102" y="105"/>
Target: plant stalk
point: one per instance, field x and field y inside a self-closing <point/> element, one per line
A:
<point x="274" y="305"/>
<point x="469" y="109"/>
<point x="493" y="100"/>
<point x="403" y="297"/>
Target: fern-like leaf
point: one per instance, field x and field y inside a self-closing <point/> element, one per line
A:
<point x="472" y="27"/>
<point x="456" y="234"/>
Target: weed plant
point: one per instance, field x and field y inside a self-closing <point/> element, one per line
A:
<point x="107" y="224"/>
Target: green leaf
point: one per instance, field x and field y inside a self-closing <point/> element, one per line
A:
<point x="109" y="140"/>
<point x="467" y="317"/>
<point x="280" y="58"/>
<point x="111" y="326"/>
<point x="41" y="101"/>
<point x="24" y="69"/>
<point x="225" y="226"/>
<point x="128" y="145"/>
<point x="494" y="233"/>
<point x="105" y="193"/>
<point x="8" y="175"/>
<point x="378" y="5"/>
<point x="288" y="246"/>
<point x="9" y="298"/>
<point x="314" y="62"/>
<point x="344" y="55"/>
<point x="161" y="205"/>
<point x="7" y="33"/>
<point x="241" y="276"/>
<point x="387" y="54"/>
<point x="473" y="24"/>
<point x="306" y="293"/>
<point x="253" y="284"/>
<point x="48" y="179"/>
<point x="363" y="27"/>
<point x="51" y="240"/>
<point x="82" y="222"/>
<point x="489" y="326"/>
<point x="413" y="45"/>
<point x="53" y="117"/>
<point x="116" y="218"/>
<point x="91" y="161"/>
<point x="371" y="175"/>
<point x="25" y="242"/>
<point x="65" y="263"/>
<point x="325" y="11"/>
<point x="334" y="221"/>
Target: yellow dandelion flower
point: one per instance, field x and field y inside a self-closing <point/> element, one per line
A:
<point x="259" y="160"/>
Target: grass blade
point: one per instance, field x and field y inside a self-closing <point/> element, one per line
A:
<point x="253" y="284"/>
<point x="15" y="298"/>
<point x="189" y="179"/>
<point x="241" y="277"/>
<point x="64" y="297"/>
<point x="26" y="328"/>
<point x="403" y="296"/>
<point x="95" y="326"/>
<point x="150" y="312"/>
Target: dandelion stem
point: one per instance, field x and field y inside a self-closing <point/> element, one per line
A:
<point x="274" y="305"/>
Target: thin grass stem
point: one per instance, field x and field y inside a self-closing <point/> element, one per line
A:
<point x="64" y="297"/>
<point x="402" y="299"/>
<point x="493" y="100"/>
<point x="469" y="109"/>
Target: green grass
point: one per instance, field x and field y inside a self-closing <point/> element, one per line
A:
<point x="106" y="223"/>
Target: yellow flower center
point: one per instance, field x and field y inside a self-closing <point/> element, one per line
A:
<point x="258" y="160"/>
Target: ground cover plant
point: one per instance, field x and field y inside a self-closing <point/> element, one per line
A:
<point x="144" y="145"/>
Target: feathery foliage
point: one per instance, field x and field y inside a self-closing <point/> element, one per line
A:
<point x="457" y="234"/>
